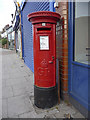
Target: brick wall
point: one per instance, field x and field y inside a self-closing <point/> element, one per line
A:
<point x="62" y="47"/>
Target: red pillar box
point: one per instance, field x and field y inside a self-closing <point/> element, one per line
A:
<point x="44" y="44"/>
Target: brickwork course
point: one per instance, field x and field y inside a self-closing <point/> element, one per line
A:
<point x="62" y="47"/>
<point x="18" y="92"/>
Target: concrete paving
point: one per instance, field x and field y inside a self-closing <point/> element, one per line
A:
<point x="18" y="92"/>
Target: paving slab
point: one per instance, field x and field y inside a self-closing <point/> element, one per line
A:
<point x="7" y="92"/>
<point x="17" y="105"/>
<point x="15" y="81"/>
<point x="18" y="92"/>
<point x="28" y="115"/>
<point x="4" y="108"/>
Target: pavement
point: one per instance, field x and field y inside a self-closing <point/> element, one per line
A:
<point x="18" y="92"/>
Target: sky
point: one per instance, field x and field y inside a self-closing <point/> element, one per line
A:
<point x="7" y="7"/>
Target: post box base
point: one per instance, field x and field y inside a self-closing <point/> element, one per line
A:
<point x="45" y="97"/>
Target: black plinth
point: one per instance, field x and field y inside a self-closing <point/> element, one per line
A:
<point x="45" y="97"/>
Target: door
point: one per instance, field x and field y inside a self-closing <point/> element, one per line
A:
<point x="45" y="58"/>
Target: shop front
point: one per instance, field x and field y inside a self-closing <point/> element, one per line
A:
<point x="79" y="56"/>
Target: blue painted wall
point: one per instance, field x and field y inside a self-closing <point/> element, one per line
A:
<point x="28" y="29"/>
<point x="79" y="74"/>
<point x="79" y="84"/>
<point x="89" y="89"/>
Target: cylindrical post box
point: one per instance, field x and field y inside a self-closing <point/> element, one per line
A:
<point x="44" y="47"/>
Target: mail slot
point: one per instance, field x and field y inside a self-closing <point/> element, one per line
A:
<point x="44" y="29"/>
<point x="44" y="47"/>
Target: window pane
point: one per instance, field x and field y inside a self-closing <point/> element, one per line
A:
<point x="81" y="32"/>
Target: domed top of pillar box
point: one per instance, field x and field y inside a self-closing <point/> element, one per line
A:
<point x="44" y="16"/>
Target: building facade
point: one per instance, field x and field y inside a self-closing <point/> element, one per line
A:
<point x="10" y="37"/>
<point x="73" y="35"/>
<point x="72" y="48"/>
<point x="27" y="29"/>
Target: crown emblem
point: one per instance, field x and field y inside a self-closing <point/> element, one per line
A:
<point x="44" y="63"/>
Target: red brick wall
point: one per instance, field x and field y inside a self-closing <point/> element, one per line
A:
<point x="62" y="47"/>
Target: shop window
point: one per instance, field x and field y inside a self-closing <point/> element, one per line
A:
<point x="82" y="23"/>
